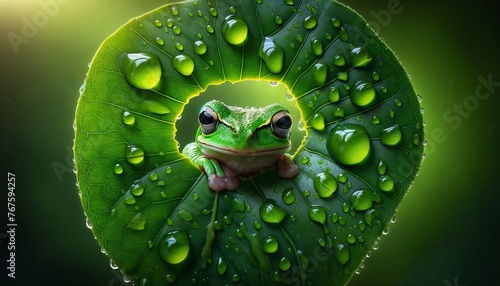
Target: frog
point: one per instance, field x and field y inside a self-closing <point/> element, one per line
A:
<point x="233" y="143"/>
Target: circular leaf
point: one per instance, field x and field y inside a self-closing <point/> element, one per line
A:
<point x="150" y="208"/>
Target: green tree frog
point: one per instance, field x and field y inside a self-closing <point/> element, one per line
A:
<point x="234" y="142"/>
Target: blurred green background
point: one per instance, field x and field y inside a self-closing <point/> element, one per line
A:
<point x="445" y="229"/>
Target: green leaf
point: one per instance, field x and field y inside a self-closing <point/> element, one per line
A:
<point x="150" y="207"/>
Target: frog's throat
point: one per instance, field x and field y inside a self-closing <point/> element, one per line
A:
<point x="210" y="148"/>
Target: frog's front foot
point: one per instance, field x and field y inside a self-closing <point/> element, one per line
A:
<point x="220" y="177"/>
<point x="286" y="167"/>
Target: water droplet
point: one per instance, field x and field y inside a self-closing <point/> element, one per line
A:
<point x="142" y="70"/>
<point x="274" y="83"/>
<point x="137" y="190"/>
<point x="183" y="64"/>
<point x="170" y="278"/>
<point x="343" y="36"/>
<point x="289" y="96"/>
<point x="128" y="118"/>
<point x="134" y="155"/>
<point x="349" y="144"/>
<point x="375" y="76"/>
<point x="317" y="214"/>
<point x="234" y="30"/>
<point x="305" y="160"/>
<point x="339" y="113"/>
<point x="174" y="248"/>
<point x="138" y="222"/>
<point x="284" y="263"/>
<point x="288" y="196"/>
<point x="168" y="170"/>
<point x="325" y="184"/>
<point x="342" y="254"/>
<point x="310" y="22"/>
<point x="270" y="244"/>
<point x="200" y="47"/>
<point x="278" y="20"/>
<point x="339" y="60"/>
<point x="213" y="12"/>
<point x="335" y="22"/>
<point x="381" y="168"/>
<point x="160" y="41"/>
<point x="391" y="135"/>
<point x="235" y="278"/>
<point x="360" y="57"/>
<point x="398" y="103"/>
<point x="372" y="217"/>
<point x="272" y="55"/>
<point x="153" y="176"/>
<point x="210" y="29"/>
<point x="179" y="47"/>
<point x="319" y="73"/>
<point x="385" y="231"/>
<point x="174" y="10"/>
<point x="361" y="200"/>
<point x="270" y="212"/>
<point x="318" y="121"/>
<point x="221" y="266"/>
<point x="386" y="183"/>
<point x="376" y="120"/>
<point x="257" y="225"/>
<point x="118" y="169"/>
<point x="363" y="94"/>
<point x="112" y="264"/>
<point x="351" y="239"/>
<point x="317" y="47"/>
<point x="129" y="199"/>
<point x="185" y="215"/>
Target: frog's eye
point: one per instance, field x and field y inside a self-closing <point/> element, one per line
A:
<point x="208" y="120"/>
<point x="281" y="124"/>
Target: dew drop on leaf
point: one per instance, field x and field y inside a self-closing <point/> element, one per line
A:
<point x="134" y="155"/>
<point x="118" y="169"/>
<point x="363" y="94"/>
<point x="234" y="30"/>
<point x="361" y="200"/>
<point x="325" y="184"/>
<point x="318" y="122"/>
<point x="317" y="46"/>
<point x="320" y="72"/>
<point x="270" y="212"/>
<point x="288" y="196"/>
<point x="342" y="254"/>
<point x="142" y="70"/>
<point x="386" y="183"/>
<point x="360" y="57"/>
<point x="221" y="266"/>
<point x="128" y="118"/>
<point x="138" y="222"/>
<point x="270" y="244"/>
<point x="317" y="214"/>
<point x="200" y="47"/>
<point x="183" y="64"/>
<point x="272" y="55"/>
<point x="284" y="263"/>
<point x="391" y="136"/>
<point x="349" y="144"/>
<point x="310" y="22"/>
<point x="174" y="247"/>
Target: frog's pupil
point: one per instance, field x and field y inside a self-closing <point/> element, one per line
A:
<point x="206" y="118"/>
<point x="284" y="122"/>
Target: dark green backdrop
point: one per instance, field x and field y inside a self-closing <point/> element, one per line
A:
<point x="444" y="234"/>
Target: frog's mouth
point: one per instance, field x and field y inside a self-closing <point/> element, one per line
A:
<point x="248" y="152"/>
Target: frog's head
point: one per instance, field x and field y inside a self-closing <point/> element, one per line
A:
<point x="246" y="139"/>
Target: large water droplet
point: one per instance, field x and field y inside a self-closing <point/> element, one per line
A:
<point x="284" y="263"/>
<point x="310" y="22"/>
<point x="318" y="121"/>
<point x="183" y="64"/>
<point x="142" y="70"/>
<point x="234" y="30"/>
<point x="270" y="244"/>
<point x="317" y="214"/>
<point x="221" y="266"/>
<point x="272" y="55"/>
<point x="270" y="212"/>
<point x="319" y="73"/>
<point x="200" y="47"/>
<point x="325" y="184"/>
<point x="363" y="94"/>
<point x="288" y="196"/>
<point x="339" y="60"/>
<point x="174" y="248"/>
<point x="391" y="135"/>
<point x="349" y="144"/>
<point x="317" y="46"/>
<point x="334" y="94"/>
<point x="134" y="154"/>
<point x="118" y="169"/>
<point x="128" y="118"/>
<point x="360" y="57"/>
<point x="138" y="222"/>
<point x="361" y="200"/>
<point x="372" y="218"/>
<point x="386" y="183"/>
<point x="342" y="254"/>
